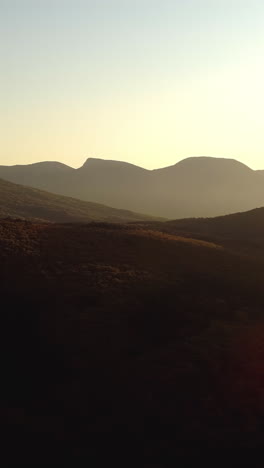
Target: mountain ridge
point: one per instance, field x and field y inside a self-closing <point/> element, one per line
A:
<point x="194" y="187"/>
<point x="92" y="159"/>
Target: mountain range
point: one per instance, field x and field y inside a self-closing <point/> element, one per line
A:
<point x="194" y="187"/>
<point x="133" y="333"/>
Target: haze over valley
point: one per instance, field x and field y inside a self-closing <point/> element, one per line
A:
<point x="194" y="187"/>
<point x="17" y="201"/>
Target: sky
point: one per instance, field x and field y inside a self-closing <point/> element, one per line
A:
<point x="145" y="81"/>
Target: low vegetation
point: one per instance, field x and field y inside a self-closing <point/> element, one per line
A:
<point x="145" y="343"/>
<point x="240" y="232"/>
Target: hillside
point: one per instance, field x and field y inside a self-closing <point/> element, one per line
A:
<point x="144" y="343"/>
<point x="242" y="232"/>
<point x="19" y="201"/>
<point x="194" y="187"/>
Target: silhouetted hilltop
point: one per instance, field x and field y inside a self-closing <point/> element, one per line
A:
<point x="211" y="163"/>
<point x="35" y="169"/>
<point x="196" y="186"/>
<point x="107" y="164"/>
<point x="42" y="175"/>
<point x="19" y="201"/>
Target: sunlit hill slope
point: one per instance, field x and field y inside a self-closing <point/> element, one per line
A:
<point x="19" y="201"/>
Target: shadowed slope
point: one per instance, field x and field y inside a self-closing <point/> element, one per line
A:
<point x="18" y="201"/>
<point x="146" y="344"/>
<point x="239" y="231"/>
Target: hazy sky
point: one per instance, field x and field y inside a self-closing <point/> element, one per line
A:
<point x="144" y="81"/>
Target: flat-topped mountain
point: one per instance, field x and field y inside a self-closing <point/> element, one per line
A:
<point x="194" y="187"/>
<point x="19" y="201"/>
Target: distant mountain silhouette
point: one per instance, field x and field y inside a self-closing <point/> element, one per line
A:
<point x="196" y="186"/>
<point x="19" y="201"/>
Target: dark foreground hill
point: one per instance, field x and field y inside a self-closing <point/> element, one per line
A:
<point x="125" y="344"/>
<point x="241" y="232"/>
<point x="18" y="201"/>
<point x="197" y="186"/>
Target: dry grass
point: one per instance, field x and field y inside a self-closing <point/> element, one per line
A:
<point x="113" y="335"/>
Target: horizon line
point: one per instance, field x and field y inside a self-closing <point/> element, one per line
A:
<point x="127" y="162"/>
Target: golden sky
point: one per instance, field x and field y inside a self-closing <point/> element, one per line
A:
<point x="144" y="81"/>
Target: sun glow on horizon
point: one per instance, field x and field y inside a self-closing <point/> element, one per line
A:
<point x="146" y="82"/>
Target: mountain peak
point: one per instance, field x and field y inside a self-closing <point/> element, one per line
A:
<point x="211" y="161"/>
<point x="108" y="163"/>
<point x="42" y="166"/>
<point x="92" y="161"/>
